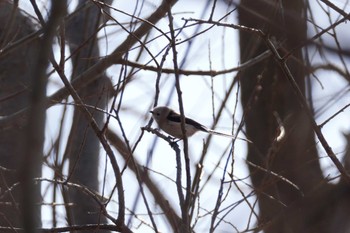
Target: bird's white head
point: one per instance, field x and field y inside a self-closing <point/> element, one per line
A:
<point x="160" y="114"/>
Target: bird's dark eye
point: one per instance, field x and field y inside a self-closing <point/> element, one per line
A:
<point x="158" y="113"/>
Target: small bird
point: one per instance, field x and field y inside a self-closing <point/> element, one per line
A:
<point x="170" y="122"/>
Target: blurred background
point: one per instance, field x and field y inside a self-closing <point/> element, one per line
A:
<point x="78" y="151"/>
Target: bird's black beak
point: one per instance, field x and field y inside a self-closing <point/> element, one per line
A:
<point x="151" y="112"/>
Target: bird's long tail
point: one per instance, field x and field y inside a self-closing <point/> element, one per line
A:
<point x="227" y="135"/>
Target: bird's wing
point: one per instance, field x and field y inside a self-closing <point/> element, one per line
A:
<point x="173" y="116"/>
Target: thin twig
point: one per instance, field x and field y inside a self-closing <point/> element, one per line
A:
<point x="18" y="119"/>
<point x="334" y="115"/>
<point x="88" y="116"/>
<point x="185" y="205"/>
<point x="283" y="63"/>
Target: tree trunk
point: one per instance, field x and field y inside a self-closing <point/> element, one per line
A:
<point x="16" y="71"/>
<point x="266" y="93"/>
<point x="83" y="147"/>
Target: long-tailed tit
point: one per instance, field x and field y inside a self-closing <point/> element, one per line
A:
<point x="170" y="122"/>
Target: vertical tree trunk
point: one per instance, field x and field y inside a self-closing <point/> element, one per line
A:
<point x="265" y="92"/>
<point x="16" y="70"/>
<point x="83" y="146"/>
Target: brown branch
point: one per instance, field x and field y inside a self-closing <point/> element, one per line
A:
<point x="18" y="119"/>
<point x="334" y="115"/>
<point x="337" y="9"/>
<point x="135" y="166"/>
<point x="131" y="157"/>
<point x="85" y="189"/>
<point x="282" y="61"/>
<point x="83" y="228"/>
<point x="211" y="73"/>
<point x="88" y="116"/>
<point x="20" y="42"/>
<point x="184" y="203"/>
<point x="283" y="64"/>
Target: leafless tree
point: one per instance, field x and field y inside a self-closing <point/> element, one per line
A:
<point x="79" y="151"/>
